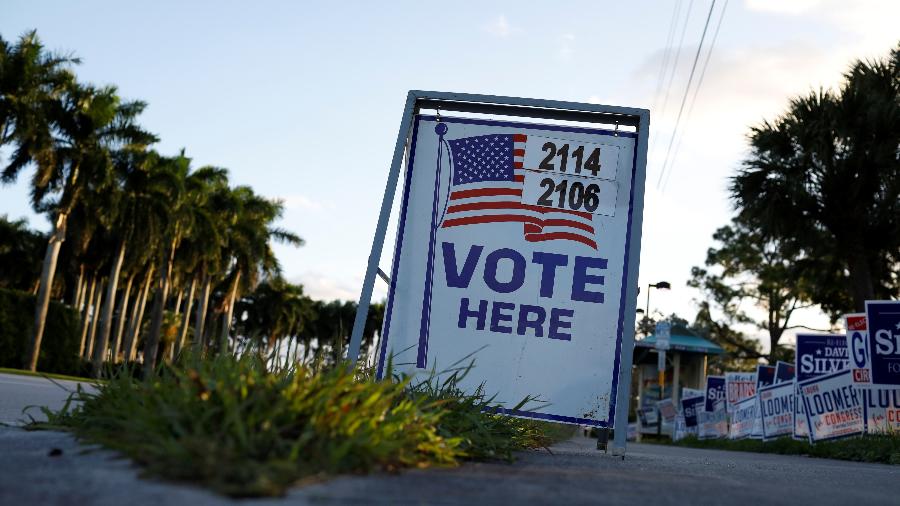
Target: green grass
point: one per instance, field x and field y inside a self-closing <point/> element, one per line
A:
<point x="871" y="448"/>
<point x="229" y="424"/>
<point x="23" y="372"/>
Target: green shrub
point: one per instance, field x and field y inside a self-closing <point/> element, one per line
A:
<point x="232" y="425"/>
<point x="870" y="448"/>
<point x="59" y="348"/>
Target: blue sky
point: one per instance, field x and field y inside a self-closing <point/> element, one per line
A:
<point x="302" y="100"/>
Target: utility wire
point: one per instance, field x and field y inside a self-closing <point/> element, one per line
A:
<point x="687" y="90"/>
<point x="712" y="45"/>
<point x="674" y="66"/>
<point x="666" y="54"/>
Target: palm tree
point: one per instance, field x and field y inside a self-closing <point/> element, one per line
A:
<point x="138" y="209"/>
<point x="248" y="242"/>
<point x="824" y="179"/>
<point x="19" y="246"/>
<point x="72" y="156"/>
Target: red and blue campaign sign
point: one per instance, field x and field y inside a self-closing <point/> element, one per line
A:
<point x="817" y="355"/>
<point x="765" y="375"/>
<point x="784" y="372"/>
<point x="715" y="392"/>
<point x="689" y="408"/>
<point x="512" y="252"/>
<point x="744" y="416"/>
<point x="776" y="404"/>
<point x="834" y="407"/>
<point x="858" y="349"/>
<point x="883" y="321"/>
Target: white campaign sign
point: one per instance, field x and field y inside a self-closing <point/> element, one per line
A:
<point x="776" y="404"/>
<point x="511" y="253"/>
<point x="738" y="387"/>
<point x="712" y="425"/>
<point x="834" y="407"/>
<point x="743" y="417"/>
<point x="881" y="409"/>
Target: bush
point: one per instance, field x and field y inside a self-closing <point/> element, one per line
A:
<point x="59" y="348"/>
<point x="884" y="448"/>
<point x="230" y="424"/>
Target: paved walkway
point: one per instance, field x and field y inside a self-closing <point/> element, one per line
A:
<point x="575" y="473"/>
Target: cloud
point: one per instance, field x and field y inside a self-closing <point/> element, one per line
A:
<point x="500" y="27"/>
<point x="324" y="287"/>
<point x="304" y="203"/>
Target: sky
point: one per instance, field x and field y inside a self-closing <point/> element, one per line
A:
<point x="302" y="100"/>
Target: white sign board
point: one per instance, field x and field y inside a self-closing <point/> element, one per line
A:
<point x="834" y="407"/>
<point x="738" y="387"/>
<point x="663" y="335"/>
<point x="712" y="425"/>
<point x="743" y="418"/>
<point x="881" y="410"/>
<point x="776" y="405"/>
<point x="512" y="252"/>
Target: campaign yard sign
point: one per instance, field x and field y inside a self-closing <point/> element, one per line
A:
<point x="667" y="409"/>
<point x="689" y="408"/>
<point x="834" y="407"/>
<point x="738" y="387"/>
<point x="513" y="252"/>
<point x="858" y="349"/>
<point x="712" y="424"/>
<point x="883" y="323"/>
<point x="743" y="418"/>
<point x="691" y="392"/>
<point x="715" y="392"/>
<point x="881" y="410"/>
<point x="765" y="375"/>
<point x="784" y="372"/>
<point x="776" y="405"/>
<point x="816" y="355"/>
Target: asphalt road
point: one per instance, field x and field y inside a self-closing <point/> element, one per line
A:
<point x="575" y="473"/>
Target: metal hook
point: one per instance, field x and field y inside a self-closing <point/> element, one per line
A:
<point x="438" y="111"/>
<point x="617" y="129"/>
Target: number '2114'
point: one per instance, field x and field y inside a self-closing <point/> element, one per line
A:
<point x="592" y="163"/>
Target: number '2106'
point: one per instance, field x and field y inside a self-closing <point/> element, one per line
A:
<point x="592" y="163"/>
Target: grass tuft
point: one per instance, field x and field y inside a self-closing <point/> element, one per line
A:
<point x="233" y="426"/>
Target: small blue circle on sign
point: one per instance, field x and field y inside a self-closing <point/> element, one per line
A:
<point x="440" y="129"/>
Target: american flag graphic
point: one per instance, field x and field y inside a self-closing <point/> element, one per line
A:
<point x="487" y="184"/>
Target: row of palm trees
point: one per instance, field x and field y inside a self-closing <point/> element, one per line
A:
<point x="159" y="252"/>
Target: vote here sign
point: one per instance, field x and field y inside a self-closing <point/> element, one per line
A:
<point x="883" y="321"/>
<point x="512" y="252"/>
<point x="776" y="404"/>
<point x="834" y="407"/>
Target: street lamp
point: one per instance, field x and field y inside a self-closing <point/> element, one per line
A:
<point x="661" y="363"/>
<point x="662" y="285"/>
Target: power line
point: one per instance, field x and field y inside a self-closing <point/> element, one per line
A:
<point x="712" y="45"/>
<point x="686" y="92"/>
<point x="667" y="53"/>
<point x="674" y="66"/>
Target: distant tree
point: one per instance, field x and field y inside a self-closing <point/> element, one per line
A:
<point x="741" y="353"/>
<point x="823" y="179"/>
<point x="747" y="271"/>
<point x="19" y="247"/>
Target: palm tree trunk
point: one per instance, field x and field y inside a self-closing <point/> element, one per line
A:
<point x="151" y="345"/>
<point x="120" y="322"/>
<point x="79" y="288"/>
<point x="106" y="318"/>
<point x="48" y="271"/>
<point x="85" y="315"/>
<point x="95" y="319"/>
<point x="200" y="320"/>
<point x="182" y="333"/>
<point x="136" y="318"/>
<point x="229" y="311"/>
